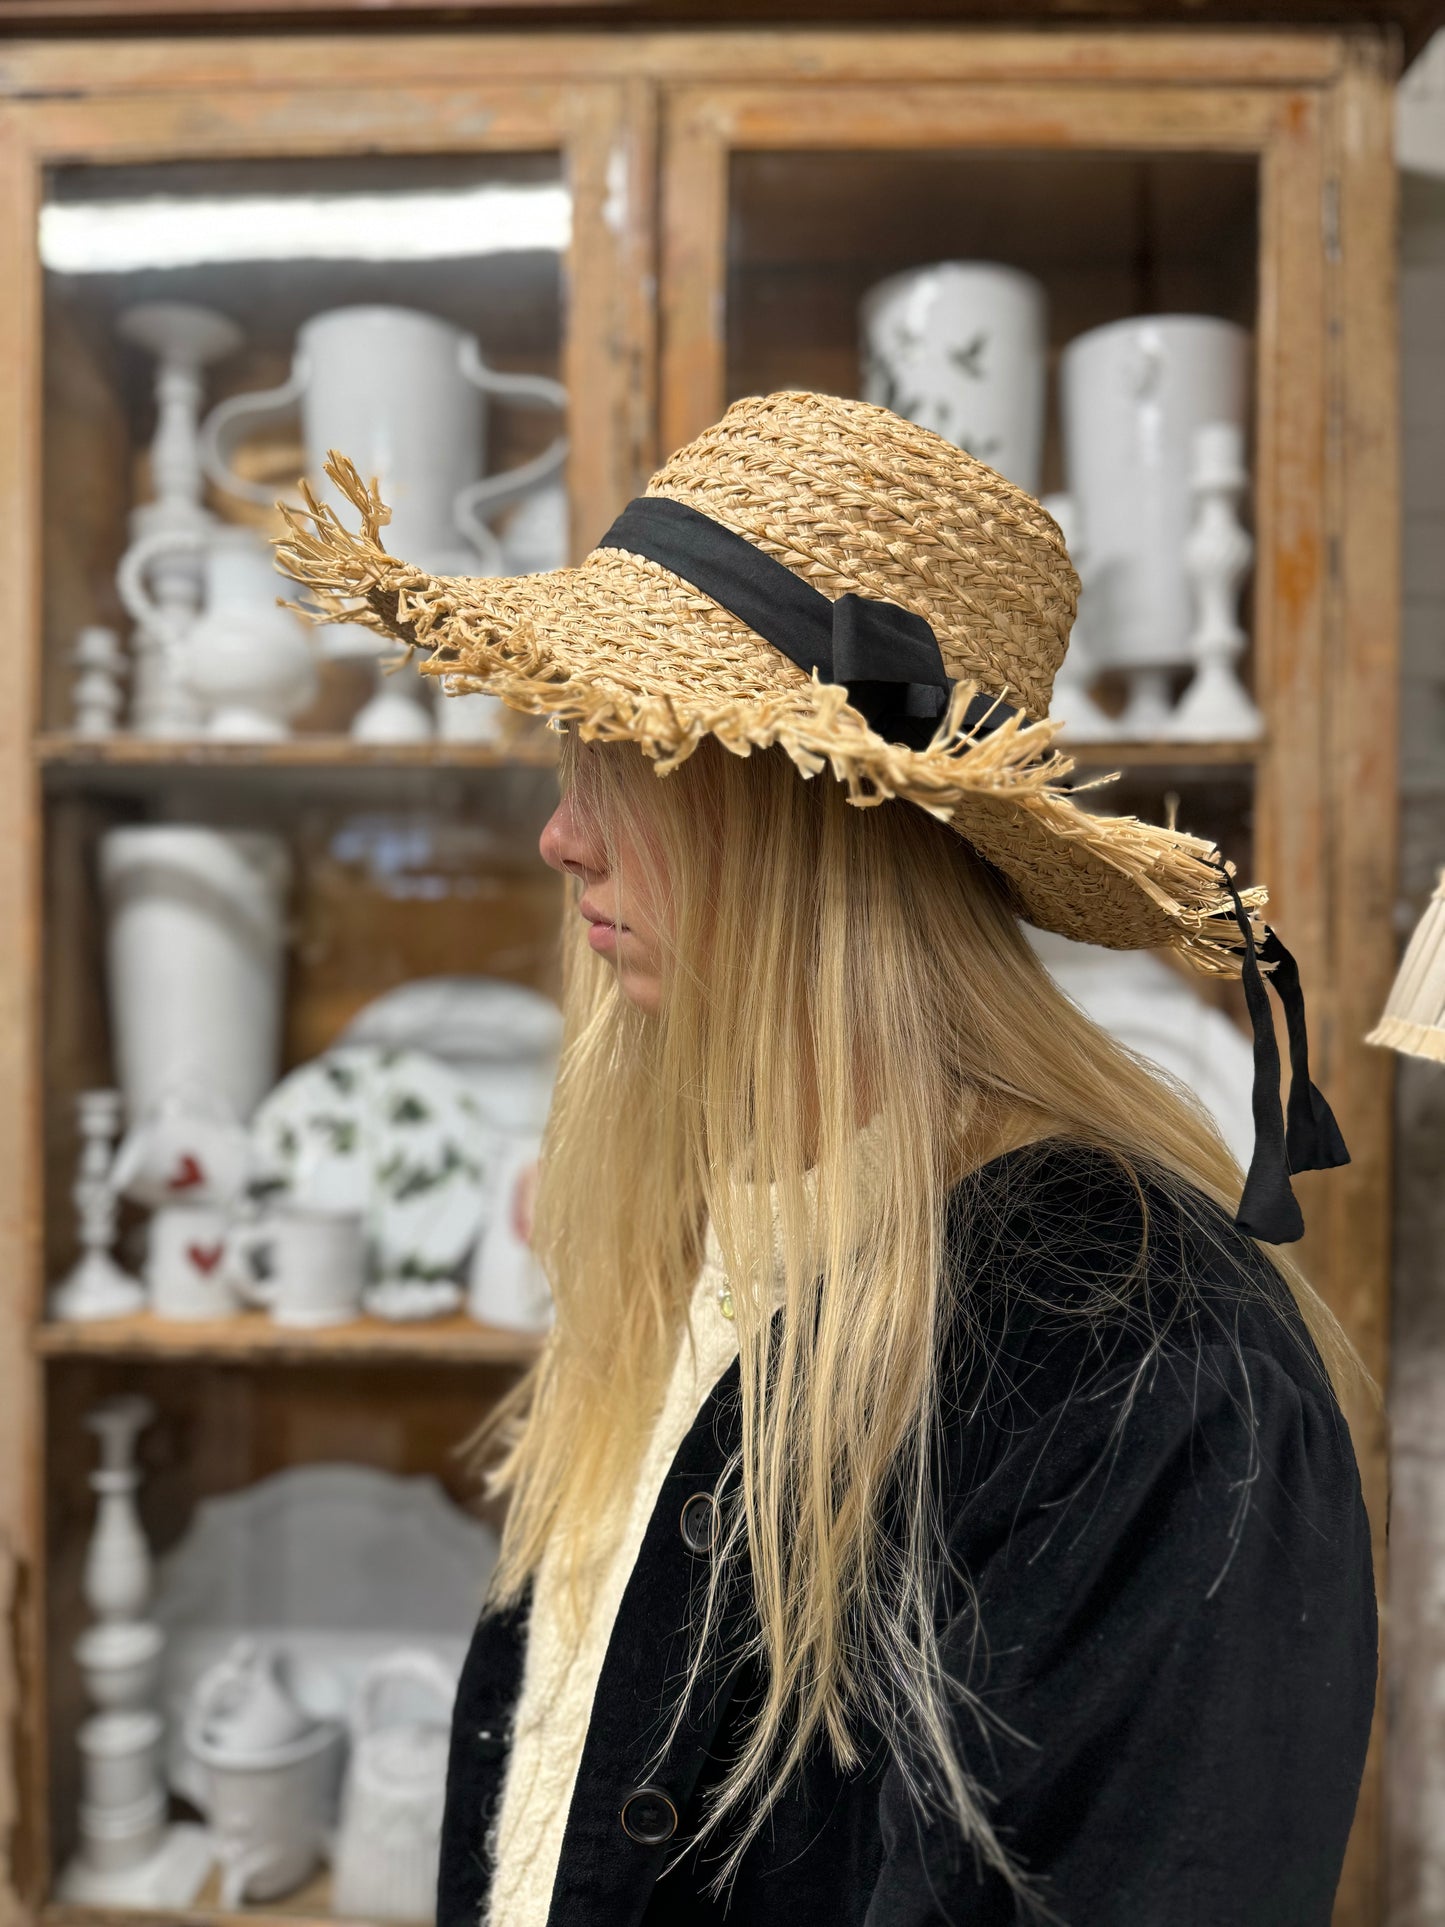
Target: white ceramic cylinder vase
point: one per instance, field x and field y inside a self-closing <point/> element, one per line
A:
<point x="960" y="347"/>
<point x="1134" y="393"/>
<point x="195" y="961"/>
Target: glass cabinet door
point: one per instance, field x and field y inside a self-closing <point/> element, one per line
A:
<point x="291" y="915"/>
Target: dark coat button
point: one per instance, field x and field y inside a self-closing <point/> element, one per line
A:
<point x="492" y="1742"/>
<point x="649" y="1817"/>
<point x="699" y="1522"/>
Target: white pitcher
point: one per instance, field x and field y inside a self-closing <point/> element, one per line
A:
<point x="389" y="1838"/>
<point x="401" y="393"/>
<point x="248" y="661"/>
<point x="959" y="347"/>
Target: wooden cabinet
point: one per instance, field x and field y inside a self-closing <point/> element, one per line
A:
<point x="731" y="196"/>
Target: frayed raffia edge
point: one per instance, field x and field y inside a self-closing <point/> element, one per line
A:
<point x="353" y="578"/>
<point x="1413" y="1019"/>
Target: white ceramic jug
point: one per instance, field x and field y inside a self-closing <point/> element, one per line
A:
<point x="1134" y="394"/>
<point x="389" y="1837"/>
<point x="960" y="347"/>
<point x="194" y="958"/>
<point x="248" y="661"/>
<point x="402" y="394"/>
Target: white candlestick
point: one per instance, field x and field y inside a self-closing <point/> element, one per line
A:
<point x="1216" y="706"/>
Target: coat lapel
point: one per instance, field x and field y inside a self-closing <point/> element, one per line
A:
<point x="481" y="1736"/>
<point x="605" y="1873"/>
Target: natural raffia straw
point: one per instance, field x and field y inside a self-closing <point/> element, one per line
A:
<point x="850" y="497"/>
<point x="1414" y="1015"/>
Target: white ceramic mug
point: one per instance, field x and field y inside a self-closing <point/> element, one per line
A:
<point x="402" y="394"/>
<point x="315" y="1265"/>
<point x="960" y="347"/>
<point x="270" y="1814"/>
<point x="187" y="1270"/>
<point x="1134" y="393"/>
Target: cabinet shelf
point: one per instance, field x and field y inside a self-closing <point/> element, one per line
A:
<point x="1157" y="755"/>
<point x="70" y="759"/>
<point x="62" y="751"/>
<point x="309" y="1906"/>
<point x="253" y="1338"/>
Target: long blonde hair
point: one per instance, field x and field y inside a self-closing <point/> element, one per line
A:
<point x="827" y="965"/>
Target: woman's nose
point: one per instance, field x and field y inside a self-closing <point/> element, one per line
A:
<point x="566" y="845"/>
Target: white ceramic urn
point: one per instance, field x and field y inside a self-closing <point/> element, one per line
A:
<point x="960" y="347"/>
<point x="403" y="394"/>
<point x="195" y="957"/>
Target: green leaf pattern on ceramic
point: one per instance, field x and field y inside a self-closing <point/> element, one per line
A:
<point x="395" y="1135"/>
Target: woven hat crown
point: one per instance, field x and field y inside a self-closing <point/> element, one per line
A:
<point x="855" y="498"/>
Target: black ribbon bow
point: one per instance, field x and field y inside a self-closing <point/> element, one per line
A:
<point x="887" y="656"/>
<point x="1268" y="1208"/>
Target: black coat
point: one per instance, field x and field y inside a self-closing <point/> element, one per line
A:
<point x="1156" y="1499"/>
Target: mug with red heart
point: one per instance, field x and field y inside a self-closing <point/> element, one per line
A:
<point x="186" y="1269"/>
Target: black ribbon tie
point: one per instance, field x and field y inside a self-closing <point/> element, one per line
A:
<point x="1311" y="1141"/>
<point x="887" y="656"/>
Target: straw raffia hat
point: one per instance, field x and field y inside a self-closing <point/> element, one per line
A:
<point x="858" y="507"/>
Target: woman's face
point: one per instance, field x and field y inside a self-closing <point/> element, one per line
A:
<point x="623" y="880"/>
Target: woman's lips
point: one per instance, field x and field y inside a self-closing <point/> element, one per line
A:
<point x="602" y="935"/>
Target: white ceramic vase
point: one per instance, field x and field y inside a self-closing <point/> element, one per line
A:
<point x="195" y="960"/>
<point x="1134" y="393"/>
<point x="960" y="347"/>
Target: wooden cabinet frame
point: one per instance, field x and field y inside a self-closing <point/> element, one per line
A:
<point x="648" y="121"/>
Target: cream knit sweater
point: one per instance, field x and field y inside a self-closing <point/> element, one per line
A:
<point x="562" y="1666"/>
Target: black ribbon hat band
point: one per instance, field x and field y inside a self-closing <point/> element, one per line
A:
<point x="1310" y="1140"/>
<point x="887" y="656"/>
<point x="891" y="663"/>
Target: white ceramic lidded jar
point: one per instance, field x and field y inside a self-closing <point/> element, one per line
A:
<point x="1134" y="395"/>
<point x="960" y="347"/>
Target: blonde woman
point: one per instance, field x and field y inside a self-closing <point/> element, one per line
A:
<point x="932" y="1503"/>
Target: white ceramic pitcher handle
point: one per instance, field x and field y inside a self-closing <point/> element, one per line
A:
<point x="241" y="1241"/>
<point x="237" y="1870"/>
<point x="412" y="1666"/>
<point x="221" y="430"/>
<point x="495" y="492"/>
<point x="130" y="575"/>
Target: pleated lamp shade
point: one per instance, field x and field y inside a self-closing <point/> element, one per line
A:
<point x="1414" y="1016"/>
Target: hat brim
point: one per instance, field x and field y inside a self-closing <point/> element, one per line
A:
<point x="627" y="652"/>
